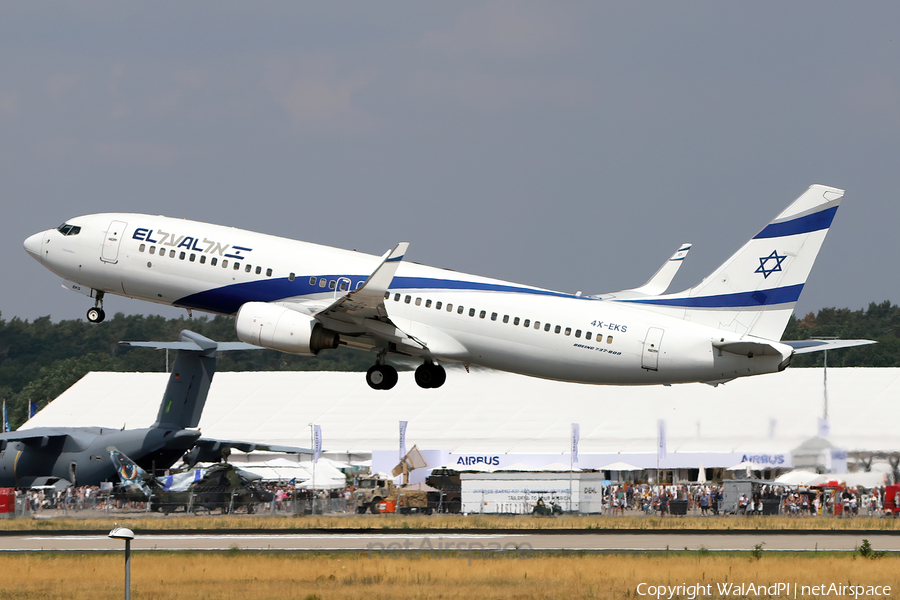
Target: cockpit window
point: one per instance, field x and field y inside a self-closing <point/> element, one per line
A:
<point x="67" y="229"/>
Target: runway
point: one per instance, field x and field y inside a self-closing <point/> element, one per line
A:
<point x="449" y="542"/>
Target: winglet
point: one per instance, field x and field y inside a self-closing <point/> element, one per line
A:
<point x="378" y="283"/>
<point x="660" y="281"/>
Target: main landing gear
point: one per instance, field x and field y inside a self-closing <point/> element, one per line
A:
<point x="430" y="375"/>
<point x="96" y="314"/>
<point x="381" y="377"/>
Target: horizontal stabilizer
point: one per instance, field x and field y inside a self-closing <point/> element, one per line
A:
<point x="193" y="342"/>
<point x="804" y="346"/>
<point x="751" y="349"/>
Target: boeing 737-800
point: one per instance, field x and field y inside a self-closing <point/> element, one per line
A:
<point x="302" y="298"/>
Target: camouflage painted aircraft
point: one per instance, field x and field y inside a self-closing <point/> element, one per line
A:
<point x="79" y="455"/>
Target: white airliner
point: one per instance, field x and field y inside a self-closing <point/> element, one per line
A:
<point x="302" y="298"/>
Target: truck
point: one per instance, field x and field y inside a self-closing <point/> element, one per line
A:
<point x="447" y="482"/>
<point x="377" y="495"/>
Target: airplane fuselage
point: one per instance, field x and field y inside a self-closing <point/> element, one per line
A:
<point x="81" y="454"/>
<point x="456" y="317"/>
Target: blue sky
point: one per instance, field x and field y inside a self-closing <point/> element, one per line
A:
<point x="567" y="145"/>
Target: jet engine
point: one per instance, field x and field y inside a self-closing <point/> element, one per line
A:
<point x="279" y="328"/>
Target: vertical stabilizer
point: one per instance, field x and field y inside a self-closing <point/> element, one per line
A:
<point x="754" y="292"/>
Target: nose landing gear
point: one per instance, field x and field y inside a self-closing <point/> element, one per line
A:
<point x="96" y="314"/>
<point x="430" y="375"/>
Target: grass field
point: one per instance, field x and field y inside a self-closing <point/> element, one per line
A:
<point x="241" y="576"/>
<point x="98" y="521"/>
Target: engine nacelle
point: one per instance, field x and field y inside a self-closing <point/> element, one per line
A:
<point x="279" y="328"/>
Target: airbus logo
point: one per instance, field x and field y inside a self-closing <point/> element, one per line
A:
<point x="766" y="267"/>
<point x="190" y="243"/>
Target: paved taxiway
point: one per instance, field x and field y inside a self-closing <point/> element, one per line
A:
<point x="396" y="541"/>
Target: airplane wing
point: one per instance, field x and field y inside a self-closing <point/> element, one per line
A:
<point x="804" y="346"/>
<point x="367" y="301"/>
<point x="41" y="437"/>
<point x="213" y="450"/>
<point x="660" y="281"/>
<point x="362" y="311"/>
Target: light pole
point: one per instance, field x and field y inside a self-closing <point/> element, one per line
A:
<point x="824" y="428"/>
<point x="121" y="533"/>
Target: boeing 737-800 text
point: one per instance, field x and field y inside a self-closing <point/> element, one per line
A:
<point x="302" y="298"/>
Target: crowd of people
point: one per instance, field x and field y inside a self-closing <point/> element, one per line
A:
<point x="708" y="499"/>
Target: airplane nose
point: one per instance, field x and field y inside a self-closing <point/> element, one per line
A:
<point x="33" y="245"/>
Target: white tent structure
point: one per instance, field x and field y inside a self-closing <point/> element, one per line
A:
<point x="486" y="420"/>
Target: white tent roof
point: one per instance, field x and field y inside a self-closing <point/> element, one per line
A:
<point x="491" y="412"/>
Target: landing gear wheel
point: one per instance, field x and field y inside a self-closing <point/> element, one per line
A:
<point x="381" y="377"/>
<point x="430" y="375"/>
<point x="96" y="315"/>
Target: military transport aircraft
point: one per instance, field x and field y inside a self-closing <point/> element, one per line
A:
<point x="302" y="298"/>
<point x="80" y="455"/>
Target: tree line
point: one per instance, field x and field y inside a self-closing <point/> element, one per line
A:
<point x="39" y="360"/>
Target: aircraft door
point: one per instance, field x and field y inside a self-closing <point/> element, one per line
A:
<point x="650" y="355"/>
<point x="73" y="472"/>
<point x="110" y="251"/>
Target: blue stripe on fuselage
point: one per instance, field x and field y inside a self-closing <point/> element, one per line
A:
<point x="228" y="299"/>
<point x="807" y="224"/>
<point x="782" y="295"/>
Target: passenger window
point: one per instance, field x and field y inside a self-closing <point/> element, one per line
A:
<point x="202" y="259"/>
<point x="437" y="305"/>
<point x="247" y="269"/>
<point x="387" y="295"/>
<point x="291" y="277"/>
<point x="345" y="285"/>
<point x="192" y="257"/>
<point x="224" y="264"/>
<point x="506" y="318"/>
<point x="471" y="312"/>
<point x="527" y="323"/>
<point x="322" y="282"/>
<point x="516" y="321"/>
<point x="578" y="333"/>
<point x="268" y="272"/>
<point x="547" y="326"/>
<point x="258" y="270"/>
<point x="557" y="330"/>
<point x="312" y="281"/>
<point x="537" y="324"/>
<point x="142" y="247"/>
<point x="171" y="254"/>
<point x="493" y="316"/>
<point x="396" y="297"/>
<point x="213" y="261"/>
<point x="449" y="308"/>
<point x="609" y="340"/>
<point x="407" y="299"/>
<point x="418" y="302"/>
<point x="181" y="256"/>
<point x="482" y="314"/>
<point x="332" y="284"/>
<point x="237" y="266"/>
<point x="152" y="249"/>
<point x="587" y="335"/>
<point x="568" y="331"/>
<point x="460" y="310"/>
<point x="428" y="304"/>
